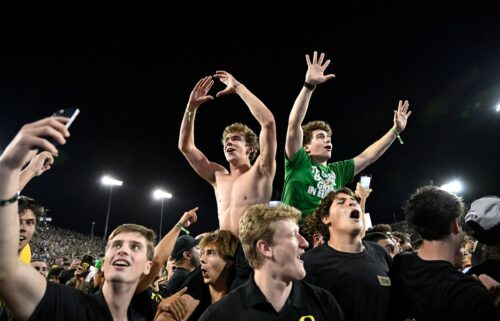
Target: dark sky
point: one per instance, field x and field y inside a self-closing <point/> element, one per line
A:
<point x="131" y="71"/>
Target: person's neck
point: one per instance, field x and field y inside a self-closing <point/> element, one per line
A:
<point x="320" y="160"/>
<point x="348" y="243"/>
<point x="274" y="289"/>
<point x="219" y="289"/>
<point x="118" y="296"/>
<point x="240" y="167"/>
<point x="441" y="250"/>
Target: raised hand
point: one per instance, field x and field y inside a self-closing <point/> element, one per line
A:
<point x="228" y="80"/>
<point x="41" y="163"/>
<point x="401" y="116"/>
<point x="188" y="218"/>
<point x="32" y="136"/>
<point x="315" y="69"/>
<point x="199" y="94"/>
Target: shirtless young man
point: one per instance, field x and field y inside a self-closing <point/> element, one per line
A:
<point x="243" y="184"/>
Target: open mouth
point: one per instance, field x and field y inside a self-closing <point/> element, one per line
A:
<point x="355" y="214"/>
<point x="204" y="273"/>
<point x="230" y="149"/>
<point x="121" y="263"/>
<point x="328" y="148"/>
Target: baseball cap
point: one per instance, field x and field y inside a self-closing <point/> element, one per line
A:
<point x="483" y="218"/>
<point x="183" y="243"/>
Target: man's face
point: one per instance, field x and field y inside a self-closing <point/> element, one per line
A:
<point x="287" y="247"/>
<point x="389" y="245"/>
<point x="126" y="258"/>
<point x="195" y="256"/>
<point x="235" y="146"/>
<point x="27" y="223"/>
<point x="213" y="266"/>
<point x="345" y="215"/>
<point x="41" y="267"/>
<point x="320" y="146"/>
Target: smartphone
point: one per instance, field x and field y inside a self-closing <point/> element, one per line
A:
<point x="365" y="180"/>
<point x="70" y="113"/>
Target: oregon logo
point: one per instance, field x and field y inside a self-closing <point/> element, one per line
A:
<point x="307" y="318"/>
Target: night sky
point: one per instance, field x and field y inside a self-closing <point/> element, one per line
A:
<point x="131" y="71"/>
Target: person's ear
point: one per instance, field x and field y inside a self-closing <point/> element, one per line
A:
<point x="264" y="249"/>
<point x="455" y="226"/>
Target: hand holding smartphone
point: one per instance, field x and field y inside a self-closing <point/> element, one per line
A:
<point x="70" y="113"/>
<point x="365" y="180"/>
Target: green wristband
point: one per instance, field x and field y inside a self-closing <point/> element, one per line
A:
<point x="182" y="228"/>
<point x="395" y="133"/>
<point x="190" y="113"/>
<point x="11" y="200"/>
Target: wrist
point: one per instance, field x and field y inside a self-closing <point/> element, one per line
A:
<point x="397" y="135"/>
<point x="182" y="228"/>
<point x="309" y="86"/>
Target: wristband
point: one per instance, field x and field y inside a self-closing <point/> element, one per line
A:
<point x="309" y="86"/>
<point x="182" y="228"/>
<point x="11" y="200"/>
<point x="395" y="133"/>
<point x="190" y="113"/>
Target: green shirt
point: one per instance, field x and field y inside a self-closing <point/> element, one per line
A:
<point x="307" y="182"/>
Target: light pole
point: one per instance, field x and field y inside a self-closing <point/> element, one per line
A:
<point x="159" y="194"/>
<point x="92" y="231"/>
<point x="455" y="187"/>
<point x="111" y="182"/>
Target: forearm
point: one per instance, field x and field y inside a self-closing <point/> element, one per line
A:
<point x="300" y="107"/>
<point x="186" y="135"/>
<point x="373" y="152"/>
<point x="24" y="178"/>
<point x="161" y="255"/>
<point x="256" y="106"/>
<point x="9" y="222"/>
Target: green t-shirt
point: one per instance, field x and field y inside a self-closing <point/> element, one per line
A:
<point x="307" y="182"/>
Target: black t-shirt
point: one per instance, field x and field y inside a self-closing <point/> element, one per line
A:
<point x="489" y="267"/>
<point x="198" y="290"/>
<point x="61" y="302"/>
<point x="243" y="270"/>
<point x="248" y="303"/>
<point x="174" y="283"/>
<point x="436" y="290"/>
<point x="358" y="281"/>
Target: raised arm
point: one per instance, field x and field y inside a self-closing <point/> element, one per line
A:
<point x="164" y="249"/>
<point x="41" y="163"/>
<point x="375" y="150"/>
<point x="195" y="157"/>
<point x="267" y="138"/>
<point x="314" y="76"/>
<point x="21" y="286"/>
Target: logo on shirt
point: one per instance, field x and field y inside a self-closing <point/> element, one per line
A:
<point x="307" y="318"/>
<point x="384" y="280"/>
<point x="325" y="182"/>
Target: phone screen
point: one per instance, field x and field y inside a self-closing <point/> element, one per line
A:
<point x="70" y="113"/>
<point x="365" y="181"/>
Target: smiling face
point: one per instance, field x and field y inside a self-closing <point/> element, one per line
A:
<point x="320" y="146"/>
<point x="27" y="223"/>
<point x="344" y="215"/>
<point x="126" y="258"/>
<point x="287" y="247"/>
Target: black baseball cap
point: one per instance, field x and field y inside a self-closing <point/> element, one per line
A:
<point x="183" y="243"/>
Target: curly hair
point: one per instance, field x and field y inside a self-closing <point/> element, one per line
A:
<point x="308" y="129"/>
<point x="312" y="225"/>
<point x="259" y="223"/>
<point x="323" y="210"/>
<point x="250" y="137"/>
<point x="430" y="211"/>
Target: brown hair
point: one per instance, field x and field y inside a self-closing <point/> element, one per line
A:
<point x="225" y="241"/>
<point x="308" y="129"/>
<point x="323" y="209"/>
<point x="250" y="137"/>
<point x="259" y="223"/>
<point x="144" y="231"/>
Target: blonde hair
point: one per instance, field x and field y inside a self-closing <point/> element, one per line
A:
<point x="259" y="223"/>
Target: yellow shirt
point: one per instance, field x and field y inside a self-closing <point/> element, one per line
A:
<point x="25" y="255"/>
